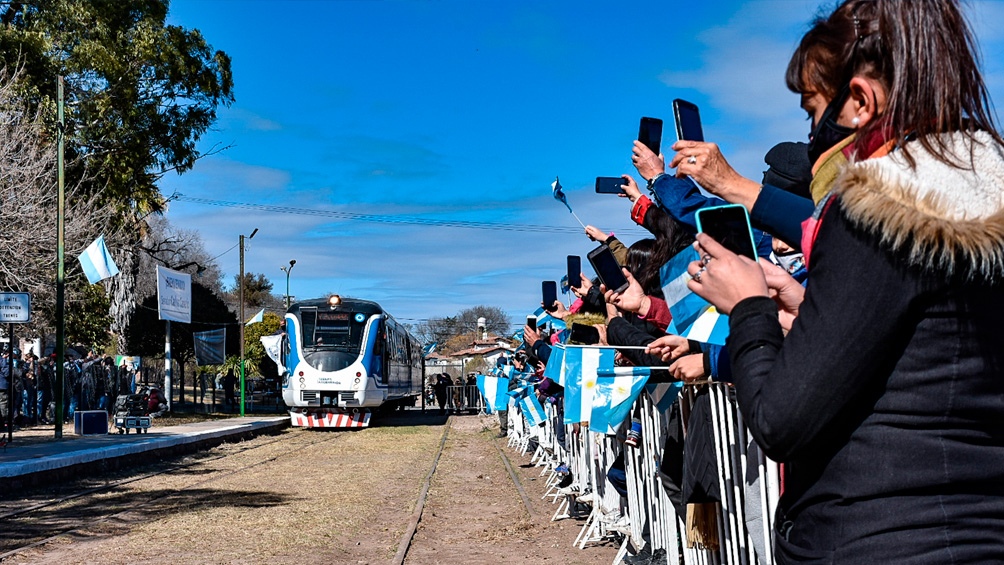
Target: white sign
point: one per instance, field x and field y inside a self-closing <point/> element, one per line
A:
<point x="174" y="295"/>
<point x="15" y="307"/>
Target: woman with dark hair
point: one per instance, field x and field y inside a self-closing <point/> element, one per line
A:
<point x="885" y="401"/>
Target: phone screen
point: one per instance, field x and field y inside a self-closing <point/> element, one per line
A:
<point x="549" y="292"/>
<point x="607" y="268"/>
<point x="574" y="270"/>
<point x="688" y="121"/>
<point x="531" y="321"/>
<point x="730" y="226"/>
<point x="650" y="133"/>
<point x="609" y="185"/>
<point x="584" y="334"/>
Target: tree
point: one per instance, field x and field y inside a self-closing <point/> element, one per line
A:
<point x="457" y="332"/>
<point x="28" y="230"/>
<point x="209" y="311"/>
<point x="257" y="291"/>
<point x="140" y="93"/>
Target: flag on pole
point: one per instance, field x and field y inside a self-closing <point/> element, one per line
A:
<point x="558" y="194"/>
<point x="554" y="369"/>
<point x="581" y="366"/>
<point x="532" y="410"/>
<point x="493" y="389"/>
<point x="664" y="394"/>
<point x="97" y="262"/>
<point x="210" y="347"/>
<point x="692" y="316"/>
<point x="260" y="316"/>
<point x="616" y="390"/>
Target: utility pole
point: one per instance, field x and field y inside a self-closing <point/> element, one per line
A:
<point x="241" y="281"/>
<point x="60" y="271"/>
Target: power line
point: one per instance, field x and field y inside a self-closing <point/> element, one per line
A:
<point x="385" y="219"/>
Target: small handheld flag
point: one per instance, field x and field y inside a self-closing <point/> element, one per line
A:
<point x="560" y="197"/>
<point x="259" y="317"/>
<point x="692" y="316"/>
<point x="97" y="263"/>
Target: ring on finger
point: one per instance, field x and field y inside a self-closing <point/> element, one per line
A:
<point x="692" y="160"/>
<point x="697" y="276"/>
<point x="706" y="259"/>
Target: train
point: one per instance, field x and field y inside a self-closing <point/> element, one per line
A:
<point x="342" y="359"/>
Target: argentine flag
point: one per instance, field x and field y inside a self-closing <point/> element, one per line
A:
<point x="532" y="410"/>
<point x="616" y="390"/>
<point x="97" y="263"/>
<point x="494" y="389"/>
<point x="693" y="317"/>
<point x="555" y="368"/>
<point x="581" y="366"/>
<point x="664" y="394"/>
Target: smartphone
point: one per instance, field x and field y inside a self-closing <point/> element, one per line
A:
<point x="688" y="121"/>
<point x="729" y="225"/>
<point x="531" y="321"/>
<point x="574" y="271"/>
<point x="584" y="334"/>
<point x="607" y="269"/>
<point x="549" y="292"/>
<point x="609" y="185"/>
<point x="650" y="133"/>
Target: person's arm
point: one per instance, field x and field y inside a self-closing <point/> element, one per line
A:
<point x="852" y="326"/>
<point x="622" y="332"/>
<point x="781" y="214"/>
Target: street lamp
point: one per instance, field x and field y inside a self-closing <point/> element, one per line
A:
<point x="241" y="284"/>
<point x="287" y="270"/>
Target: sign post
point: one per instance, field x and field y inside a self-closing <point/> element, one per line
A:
<point x="15" y="308"/>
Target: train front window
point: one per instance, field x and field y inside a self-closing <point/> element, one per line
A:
<point x="337" y="330"/>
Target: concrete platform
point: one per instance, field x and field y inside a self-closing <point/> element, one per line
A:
<point x="40" y="463"/>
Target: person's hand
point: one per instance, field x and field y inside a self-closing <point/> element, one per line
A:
<point x="669" y="347"/>
<point x="560" y="312"/>
<point x="633" y="298"/>
<point x="689" y="368"/>
<point x="649" y="164"/>
<point x="596" y="234"/>
<point x="630" y="188"/>
<point x="723" y="278"/>
<point x="584" y="285"/>
<point x="704" y="162"/>
<point x="602" y="330"/>
<point x="530" y="335"/>
<point x="786" y="292"/>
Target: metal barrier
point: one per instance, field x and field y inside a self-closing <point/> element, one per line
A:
<point x="748" y="482"/>
<point x="464" y="398"/>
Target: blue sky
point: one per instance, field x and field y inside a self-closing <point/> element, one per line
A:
<point x="466" y="111"/>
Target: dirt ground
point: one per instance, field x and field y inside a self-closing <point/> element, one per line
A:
<point x="322" y="496"/>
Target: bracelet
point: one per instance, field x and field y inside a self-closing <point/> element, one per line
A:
<point x="651" y="181"/>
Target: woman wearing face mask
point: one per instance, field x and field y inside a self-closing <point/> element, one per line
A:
<point x="886" y="399"/>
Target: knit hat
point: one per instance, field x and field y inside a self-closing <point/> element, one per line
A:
<point x="789" y="168"/>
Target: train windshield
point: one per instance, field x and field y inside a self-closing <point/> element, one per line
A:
<point x="331" y="330"/>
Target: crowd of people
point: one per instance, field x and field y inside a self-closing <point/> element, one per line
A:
<point x="91" y="382"/>
<point x="862" y="344"/>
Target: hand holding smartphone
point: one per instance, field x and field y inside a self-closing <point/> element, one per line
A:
<point x="729" y="225"/>
<point x="574" y="271"/>
<point x="650" y="134"/>
<point x="688" y="121"/>
<point x="609" y="185"/>
<point x="607" y="269"/>
<point x="549" y="293"/>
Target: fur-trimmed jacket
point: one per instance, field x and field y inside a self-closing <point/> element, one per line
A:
<point x="886" y="399"/>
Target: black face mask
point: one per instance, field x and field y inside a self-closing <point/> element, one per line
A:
<point x="827" y="132"/>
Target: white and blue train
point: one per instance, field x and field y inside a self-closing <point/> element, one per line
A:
<point x="343" y="358"/>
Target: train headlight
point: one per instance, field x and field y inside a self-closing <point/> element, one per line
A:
<point x="334" y="300"/>
<point x="357" y="380"/>
<point x="303" y="381"/>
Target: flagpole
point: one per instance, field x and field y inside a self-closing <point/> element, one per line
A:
<point x="60" y="271"/>
<point x="577" y="219"/>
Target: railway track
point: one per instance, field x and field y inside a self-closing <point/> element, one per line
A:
<point x="26" y="524"/>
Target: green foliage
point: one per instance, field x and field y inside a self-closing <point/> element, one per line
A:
<point x="147" y="331"/>
<point x="258" y="362"/>
<point x="257" y="290"/>
<point x="87" y="318"/>
<point x="139" y="93"/>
